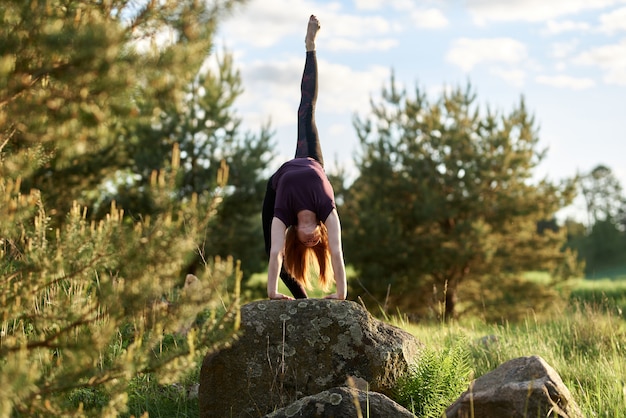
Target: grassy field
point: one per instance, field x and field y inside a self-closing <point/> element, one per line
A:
<point x="585" y="344"/>
<point x="606" y="294"/>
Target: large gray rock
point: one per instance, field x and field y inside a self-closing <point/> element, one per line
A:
<point x="341" y="402"/>
<point x="524" y="387"/>
<point x="291" y="349"/>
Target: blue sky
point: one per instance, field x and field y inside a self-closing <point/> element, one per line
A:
<point x="566" y="57"/>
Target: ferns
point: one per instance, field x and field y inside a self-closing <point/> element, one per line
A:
<point x="437" y="380"/>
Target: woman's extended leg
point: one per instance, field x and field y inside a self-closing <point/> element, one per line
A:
<point x="308" y="141"/>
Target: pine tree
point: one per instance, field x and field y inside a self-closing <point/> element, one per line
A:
<point x="444" y="212"/>
<point x="601" y="244"/>
<point x="92" y="302"/>
<point x="206" y="133"/>
<point x="603" y="195"/>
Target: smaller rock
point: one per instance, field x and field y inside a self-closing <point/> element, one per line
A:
<point x="343" y="402"/>
<point x="487" y="341"/>
<point x="520" y="388"/>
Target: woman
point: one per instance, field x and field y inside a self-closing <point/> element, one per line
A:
<point x="300" y="221"/>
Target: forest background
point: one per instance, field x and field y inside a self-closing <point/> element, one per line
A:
<point x="124" y="168"/>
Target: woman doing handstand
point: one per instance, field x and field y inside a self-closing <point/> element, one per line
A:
<point x="300" y="221"/>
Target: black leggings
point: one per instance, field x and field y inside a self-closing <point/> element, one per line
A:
<point x="308" y="145"/>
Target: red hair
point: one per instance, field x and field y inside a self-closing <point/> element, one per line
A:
<point x="299" y="258"/>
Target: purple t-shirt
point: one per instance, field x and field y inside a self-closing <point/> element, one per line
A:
<point x="302" y="184"/>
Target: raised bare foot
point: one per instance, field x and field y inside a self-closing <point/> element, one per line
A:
<point x="311" y="33"/>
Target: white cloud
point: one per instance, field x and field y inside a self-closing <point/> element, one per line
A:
<point x="560" y="50"/>
<point x="429" y="19"/>
<point x="354" y="26"/>
<point x="614" y="21"/>
<point x="484" y="11"/>
<point x="610" y="58"/>
<point x="402" y="5"/>
<point x="371" y="5"/>
<point x="343" y="44"/>
<point x="263" y="23"/>
<point x="554" y="27"/>
<point x="266" y="23"/>
<point x="467" y="53"/>
<point x="342" y="32"/>
<point x="271" y="91"/>
<point x="514" y="76"/>
<point x="566" y="82"/>
<point x="422" y="17"/>
<point x="345" y="90"/>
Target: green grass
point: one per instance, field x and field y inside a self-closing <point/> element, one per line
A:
<point x="604" y="294"/>
<point x="585" y="345"/>
<point x="145" y="395"/>
<point x="162" y="401"/>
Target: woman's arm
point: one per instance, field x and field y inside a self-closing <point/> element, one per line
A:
<point x="336" y="255"/>
<point x="276" y="259"/>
